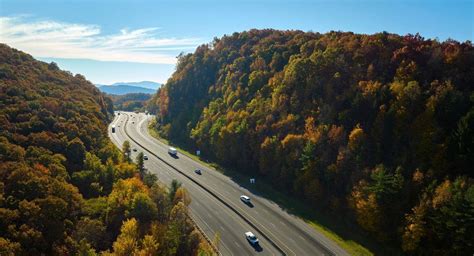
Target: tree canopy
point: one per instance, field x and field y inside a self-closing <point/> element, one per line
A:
<point x="65" y="189"/>
<point x="378" y="128"/>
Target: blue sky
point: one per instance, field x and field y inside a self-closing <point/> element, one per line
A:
<point x="114" y="41"/>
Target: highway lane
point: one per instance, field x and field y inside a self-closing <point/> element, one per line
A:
<point x="290" y="233"/>
<point x="210" y="215"/>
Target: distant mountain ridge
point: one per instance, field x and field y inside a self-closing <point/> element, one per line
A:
<point x="122" y="88"/>
<point x="144" y="84"/>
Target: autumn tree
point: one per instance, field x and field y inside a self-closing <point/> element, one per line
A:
<point x="126" y="150"/>
<point x="325" y="117"/>
<point x="65" y="189"/>
<point x="140" y="163"/>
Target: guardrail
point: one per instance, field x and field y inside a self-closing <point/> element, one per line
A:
<point x="206" y="189"/>
<point x="208" y="240"/>
<point x="213" y="246"/>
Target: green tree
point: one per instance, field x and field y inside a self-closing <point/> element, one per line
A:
<point x="126" y="150"/>
<point x="91" y="231"/>
<point x="175" y="185"/>
<point x="75" y="153"/>
<point x="143" y="208"/>
<point x="141" y="164"/>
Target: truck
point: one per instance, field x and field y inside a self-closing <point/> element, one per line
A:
<point x="172" y="151"/>
<point x="113" y="128"/>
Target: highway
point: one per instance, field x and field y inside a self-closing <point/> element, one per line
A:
<point x="215" y="202"/>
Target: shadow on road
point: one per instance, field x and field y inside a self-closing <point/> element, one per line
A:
<point x="346" y="229"/>
<point x="257" y="247"/>
<point x="249" y="204"/>
<point x="174" y="156"/>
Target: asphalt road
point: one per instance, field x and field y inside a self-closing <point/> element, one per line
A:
<point x="215" y="201"/>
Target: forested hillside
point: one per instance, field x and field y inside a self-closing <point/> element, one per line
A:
<point x="375" y="128"/>
<point x="65" y="189"/>
<point x="130" y="101"/>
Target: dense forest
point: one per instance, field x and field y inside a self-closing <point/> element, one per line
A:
<point x="376" y="128"/>
<point x="65" y="189"/>
<point x="130" y="101"/>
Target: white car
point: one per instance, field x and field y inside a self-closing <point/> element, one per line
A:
<point x="145" y="157"/>
<point x="172" y="151"/>
<point x="251" y="238"/>
<point x="245" y="199"/>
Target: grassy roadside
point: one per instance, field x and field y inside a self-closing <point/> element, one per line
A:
<point x="184" y="151"/>
<point x="317" y="221"/>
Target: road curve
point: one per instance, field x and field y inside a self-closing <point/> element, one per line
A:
<point x="209" y="214"/>
<point x="287" y="232"/>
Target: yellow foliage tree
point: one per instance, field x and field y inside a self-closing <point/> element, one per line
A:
<point x="415" y="228"/>
<point x="366" y="208"/>
<point x="182" y="195"/>
<point x="442" y="194"/>
<point x="127" y="242"/>
<point x="149" y="246"/>
<point x="356" y="137"/>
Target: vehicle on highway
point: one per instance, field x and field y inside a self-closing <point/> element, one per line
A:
<point x="245" y="199"/>
<point x="172" y="151"/>
<point x="145" y="157"/>
<point x="113" y="128"/>
<point x="251" y="238"/>
<point x="198" y="171"/>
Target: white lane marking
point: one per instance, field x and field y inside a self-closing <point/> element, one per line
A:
<point x="223" y="229"/>
<point x="253" y="220"/>
<point x="272" y="224"/>
<point x="228" y="251"/>
<point x="237" y="244"/>
<point x="232" y="203"/>
<point x="172" y="173"/>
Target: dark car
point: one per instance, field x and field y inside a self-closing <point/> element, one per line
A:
<point x="198" y="171"/>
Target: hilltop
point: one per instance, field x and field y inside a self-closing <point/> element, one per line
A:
<point x="65" y="189"/>
<point x="377" y="130"/>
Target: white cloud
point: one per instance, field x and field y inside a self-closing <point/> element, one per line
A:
<point x="80" y="41"/>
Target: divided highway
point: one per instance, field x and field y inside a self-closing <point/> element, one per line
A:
<point x="216" y="206"/>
